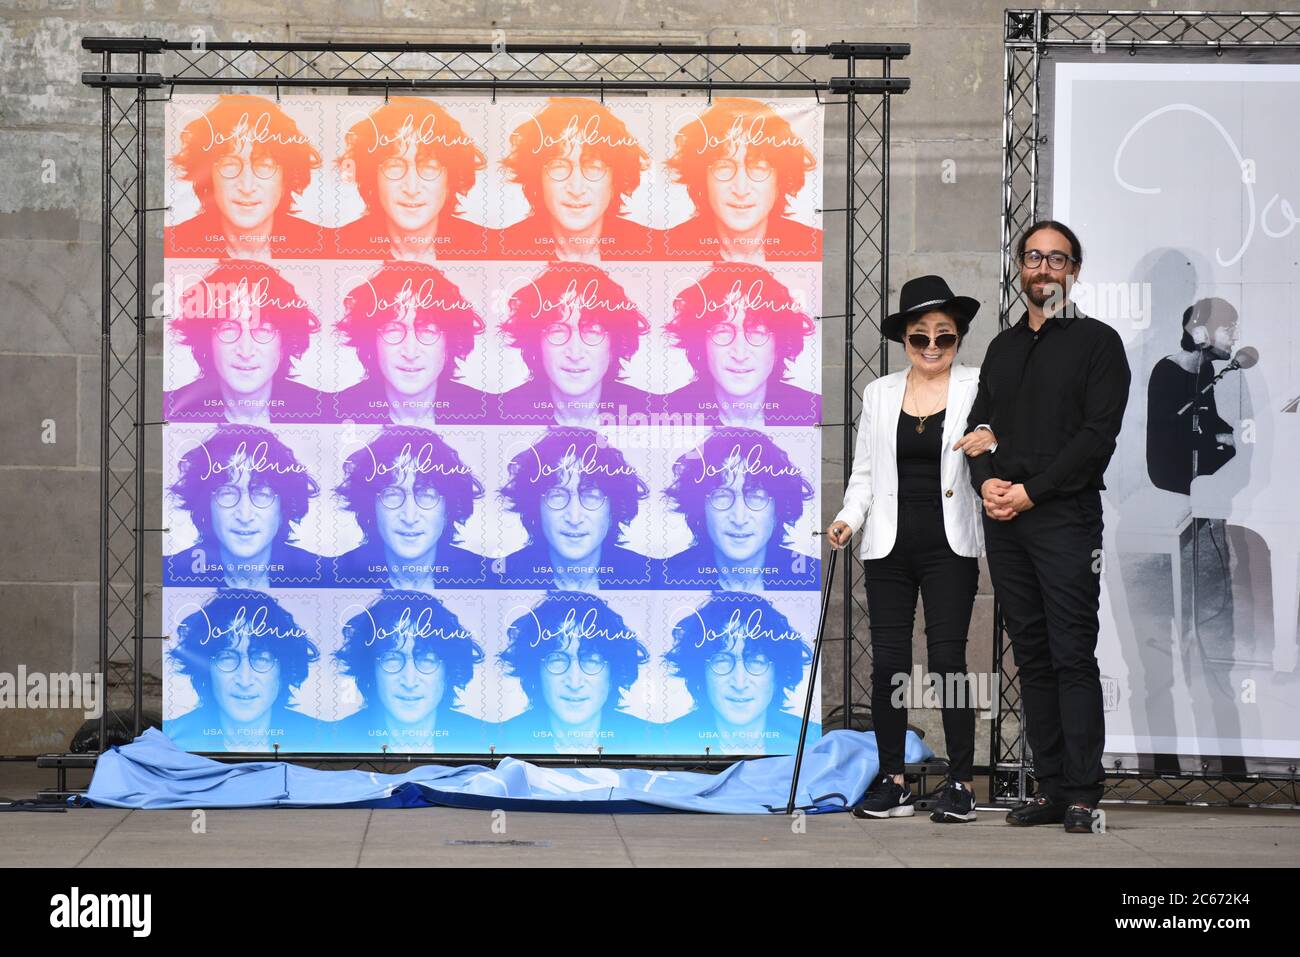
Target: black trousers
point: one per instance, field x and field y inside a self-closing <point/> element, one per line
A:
<point x="921" y="559"/>
<point x="1045" y="564"/>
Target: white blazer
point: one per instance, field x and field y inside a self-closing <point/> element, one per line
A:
<point x="872" y="492"/>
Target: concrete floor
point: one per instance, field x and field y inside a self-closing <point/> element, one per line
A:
<point x="1134" y="837"/>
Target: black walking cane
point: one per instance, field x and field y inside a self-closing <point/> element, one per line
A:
<point x="812" y="677"/>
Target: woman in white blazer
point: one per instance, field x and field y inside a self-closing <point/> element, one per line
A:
<point x="911" y="489"/>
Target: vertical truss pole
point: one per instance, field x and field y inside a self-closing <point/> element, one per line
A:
<point x="1040" y="18"/>
<point x="141" y="310"/>
<point x="105" y="357"/>
<point x="1009" y="78"/>
<point x="997" y="749"/>
<point x="884" y="224"/>
<point x="1023" y="757"/>
<point x="882" y="348"/>
<point x="1016" y="136"/>
<point x="850" y="204"/>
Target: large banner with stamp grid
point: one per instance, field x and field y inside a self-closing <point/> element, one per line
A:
<point x="492" y="425"/>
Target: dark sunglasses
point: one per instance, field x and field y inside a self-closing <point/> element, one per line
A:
<point x="945" y="340"/>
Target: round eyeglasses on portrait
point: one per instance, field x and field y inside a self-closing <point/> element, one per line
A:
<point x="228" y="661"/>
<point x="394" y="497"/>
<point x="724" y="170"/>
<point x="395" y="169"/>
<point x="228" y="496"/>
<point x="232" y="167"/>
<point x="230" y="331"/>
<point x="593" y="170"/>
<point x="558" y="498"/>
<point x="944" y="340"/>
<point x="756" y="499"/>
<point x="394" y="333"/>
<point x="558" y="662"/>
<point x="391" y="662"/>
<point x="591" y="333"/>
<point x="756" y="333"/>
<point x="1032" y="259"/>
<point x="724" y="663"/>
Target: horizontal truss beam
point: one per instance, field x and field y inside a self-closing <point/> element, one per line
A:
<point x="841" y="50"/>
<point x="841" y="84"/>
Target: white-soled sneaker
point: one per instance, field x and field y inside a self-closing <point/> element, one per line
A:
<point x="956" y="805"/>
<point x="886" y="799"/>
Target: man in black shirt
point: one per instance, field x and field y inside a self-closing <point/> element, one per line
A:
<point x="1053" y="389"/>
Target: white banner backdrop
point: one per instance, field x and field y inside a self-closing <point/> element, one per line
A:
<point x="1183" y="183"/>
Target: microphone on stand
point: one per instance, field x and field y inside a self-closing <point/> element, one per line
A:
<point x="1245" y="357"/>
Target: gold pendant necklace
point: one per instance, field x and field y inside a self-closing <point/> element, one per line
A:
<point x="920" y="419"/>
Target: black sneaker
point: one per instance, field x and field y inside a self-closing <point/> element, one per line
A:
<point x="956" y="805"/>
<point x="886" y="799"/>
<point x="1039" y="810"/>
<point x="1078" y="819"/>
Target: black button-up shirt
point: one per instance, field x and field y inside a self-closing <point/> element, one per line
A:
<point x="1055" y="399"/>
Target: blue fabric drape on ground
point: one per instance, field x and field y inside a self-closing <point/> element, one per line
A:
<point x="151" y="772"/>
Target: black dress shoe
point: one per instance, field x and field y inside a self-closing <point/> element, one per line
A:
<point x="1078" y="819"/>
<point x="1039" y="810"/>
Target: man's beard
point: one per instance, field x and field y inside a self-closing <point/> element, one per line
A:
<point x="1051" y="292"/>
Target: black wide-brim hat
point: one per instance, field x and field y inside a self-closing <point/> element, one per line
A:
<point x="922" y="295"/>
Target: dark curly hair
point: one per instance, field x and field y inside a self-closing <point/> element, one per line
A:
<point x="717" y="624"/>
<point x="204" y="467"/>
<point x="231" y="615"/>
<point x="764" y="463"/>
<point x="534" y="470"/>
<point x="725" y="288"/>
<point x="397" y="287"/>
<point x="389" y="620"/>
<point x="369" y="470"/>
<point x="564" y="614"/>
<point x="236" y="285"/>
<point x="562" y="287"/>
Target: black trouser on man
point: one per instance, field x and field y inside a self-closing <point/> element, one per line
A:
<point x="1045" y="564"/>
<point x="921" y="559"/>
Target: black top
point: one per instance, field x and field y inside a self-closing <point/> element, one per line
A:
<point x="1170" y="439"/>
<point x="918" y="457"/>
<point x="1055" y="399"/>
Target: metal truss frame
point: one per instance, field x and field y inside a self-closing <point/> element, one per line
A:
<point x="135" y="72"/>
